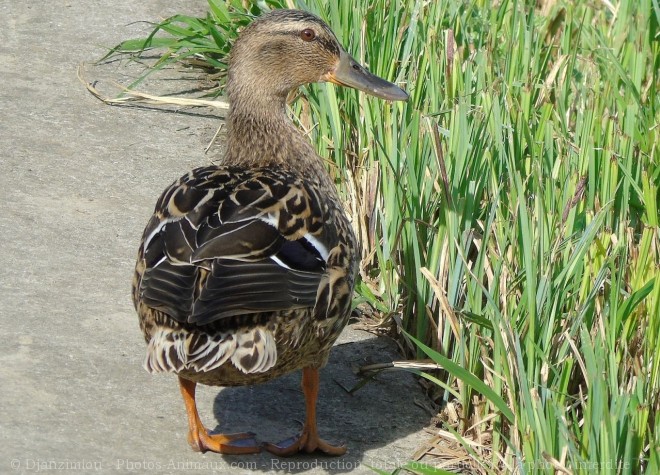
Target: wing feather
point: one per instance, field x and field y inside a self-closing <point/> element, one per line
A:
<point x="223" y="243"/>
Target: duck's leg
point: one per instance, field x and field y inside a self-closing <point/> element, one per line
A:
<point x="308" y="440"/>
<point x="199" y="438"/>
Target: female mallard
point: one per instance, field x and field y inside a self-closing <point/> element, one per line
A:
<point x="246" y="270"/>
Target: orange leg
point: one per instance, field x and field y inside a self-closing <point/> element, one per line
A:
<point x="309" y="439"/>
<point x="199" y="438"/>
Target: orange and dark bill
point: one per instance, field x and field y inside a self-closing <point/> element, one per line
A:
<point x="351" y="74"/>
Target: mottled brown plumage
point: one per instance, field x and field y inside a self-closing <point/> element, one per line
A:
<point x="246" y="270"/>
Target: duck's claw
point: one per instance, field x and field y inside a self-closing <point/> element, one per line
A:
<point x="239" y="443"/>
<point x="304" y="443"/>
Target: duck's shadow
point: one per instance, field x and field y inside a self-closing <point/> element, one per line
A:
<point x="375" y="421"/>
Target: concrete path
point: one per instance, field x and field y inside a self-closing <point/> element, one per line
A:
<point x="78" y="181"/>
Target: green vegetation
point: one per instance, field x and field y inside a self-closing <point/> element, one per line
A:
<point x="508" y="212"/>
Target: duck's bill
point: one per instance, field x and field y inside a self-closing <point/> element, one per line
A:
<point x="351" y="74"/>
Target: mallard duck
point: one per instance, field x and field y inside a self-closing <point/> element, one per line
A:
<point x="245" y="271"/>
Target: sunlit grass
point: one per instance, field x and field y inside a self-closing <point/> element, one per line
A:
<point x="534" y="267"/>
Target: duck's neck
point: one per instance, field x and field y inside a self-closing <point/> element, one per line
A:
<point x="259" y="133"/>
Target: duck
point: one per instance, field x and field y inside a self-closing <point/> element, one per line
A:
<point x="246" y="269"/>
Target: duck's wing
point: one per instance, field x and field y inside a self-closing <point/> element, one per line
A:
<point x="223" y="244"/>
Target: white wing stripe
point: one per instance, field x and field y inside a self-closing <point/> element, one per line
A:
<point x="160" y="226"/>
<point x="318" y="246"/>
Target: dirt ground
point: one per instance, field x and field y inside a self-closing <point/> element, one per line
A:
<point x="79" y="180"/>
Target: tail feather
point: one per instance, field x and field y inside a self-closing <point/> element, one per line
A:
<point x="171" y="351"/>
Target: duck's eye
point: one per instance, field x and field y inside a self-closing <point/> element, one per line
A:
<point x="308" y="34"/>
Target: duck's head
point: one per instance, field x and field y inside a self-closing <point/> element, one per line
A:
<point x="285" y="49"/>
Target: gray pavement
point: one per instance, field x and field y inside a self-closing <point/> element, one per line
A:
<point x="78" y="180"/>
